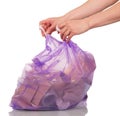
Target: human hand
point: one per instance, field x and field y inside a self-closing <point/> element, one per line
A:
<point x="49" y="25"/>
<point x="72" y="27"/>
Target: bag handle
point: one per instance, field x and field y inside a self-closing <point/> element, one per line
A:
<point x="42" y="29"/>
<point x="57" y="28"/>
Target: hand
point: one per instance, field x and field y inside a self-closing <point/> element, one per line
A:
<point x="72" y="27"/>
<point x="50" y="24"/>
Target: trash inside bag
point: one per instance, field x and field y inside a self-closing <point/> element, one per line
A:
<point x="57" y="79"/>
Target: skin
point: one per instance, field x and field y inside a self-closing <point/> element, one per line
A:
<point x="91" y="14"/>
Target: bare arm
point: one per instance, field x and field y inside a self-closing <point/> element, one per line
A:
<point x="88" y="8"/>
<point x="75" y="27"/>
<point x="106" y="17"/>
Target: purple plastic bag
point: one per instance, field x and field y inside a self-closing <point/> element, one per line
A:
<point x="57" y="79"/>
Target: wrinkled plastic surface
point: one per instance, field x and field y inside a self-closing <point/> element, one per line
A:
<point x="57" y="79"/>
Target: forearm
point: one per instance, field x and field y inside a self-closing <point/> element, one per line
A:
<point x="88" y="8"/>
<point x="106" y="17"/>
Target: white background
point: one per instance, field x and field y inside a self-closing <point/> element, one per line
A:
<point x="20" y="41"/>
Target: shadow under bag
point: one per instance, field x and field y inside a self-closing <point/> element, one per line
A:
<point x="57" y="79"/>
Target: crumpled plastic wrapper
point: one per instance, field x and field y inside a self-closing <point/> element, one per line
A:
<point x="57" y="79"/>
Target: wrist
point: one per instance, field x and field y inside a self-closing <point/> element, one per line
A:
<point x="65" y="18"/>
<point x="88" y="23"/>
<point x="92" y="22"/>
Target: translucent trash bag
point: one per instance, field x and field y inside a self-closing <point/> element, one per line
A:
<point x="57" y="79"/>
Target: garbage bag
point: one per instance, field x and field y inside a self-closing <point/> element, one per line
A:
<point x="57" y="79"/>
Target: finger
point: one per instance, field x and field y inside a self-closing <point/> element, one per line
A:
<point x="42" y="33"/>
<point x="50" y="29"/>
<point x="43" y="29"/>
<point x="69" y="37"/>
<point x="57" y="29"/>
<point x="66" y="33"/>
<point x="43" y="22"/>
<point x="62" y="25"/>
<point x="62" y="32"/>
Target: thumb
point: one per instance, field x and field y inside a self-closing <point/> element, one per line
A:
<point x="50" y="29"/>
